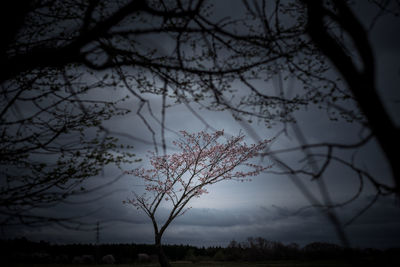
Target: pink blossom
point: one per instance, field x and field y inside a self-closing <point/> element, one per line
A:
<point x="203" y="161"/>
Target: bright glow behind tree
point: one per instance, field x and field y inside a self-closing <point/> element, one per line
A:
<point x="179" y="177"/>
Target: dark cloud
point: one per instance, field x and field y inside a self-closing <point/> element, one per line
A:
<point x="378" y="227"/>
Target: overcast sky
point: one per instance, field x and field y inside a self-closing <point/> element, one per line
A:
<point x="271" y="205"/>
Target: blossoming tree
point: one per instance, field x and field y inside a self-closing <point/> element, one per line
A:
<point x="177" y="178"/>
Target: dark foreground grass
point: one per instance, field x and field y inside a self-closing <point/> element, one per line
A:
<point x="208" y="263"/>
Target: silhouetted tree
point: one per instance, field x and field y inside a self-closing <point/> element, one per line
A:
<point x="51" y="116"/>
<point x="178" y="178"/>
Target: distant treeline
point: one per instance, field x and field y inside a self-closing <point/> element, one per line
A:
<point x="254" y="249"/>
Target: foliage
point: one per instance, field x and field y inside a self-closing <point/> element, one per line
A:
<point x="20" y="251"/>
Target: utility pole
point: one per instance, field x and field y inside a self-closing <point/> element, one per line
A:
<point x="97" y="233"/>
<point x="97" y="242"/>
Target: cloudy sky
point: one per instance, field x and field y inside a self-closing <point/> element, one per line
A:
<point x="271" y="206"/>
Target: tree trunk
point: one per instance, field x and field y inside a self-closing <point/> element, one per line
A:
<point x="162" y="258"/>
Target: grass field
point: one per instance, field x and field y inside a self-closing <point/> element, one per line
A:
<point x="210" y="263"/>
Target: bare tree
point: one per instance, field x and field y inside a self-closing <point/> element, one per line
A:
<point x="322" y="34"/>
<point x="359" y="72"/>
<point x="52" y="119"/>
<point x="51" y="142"/>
